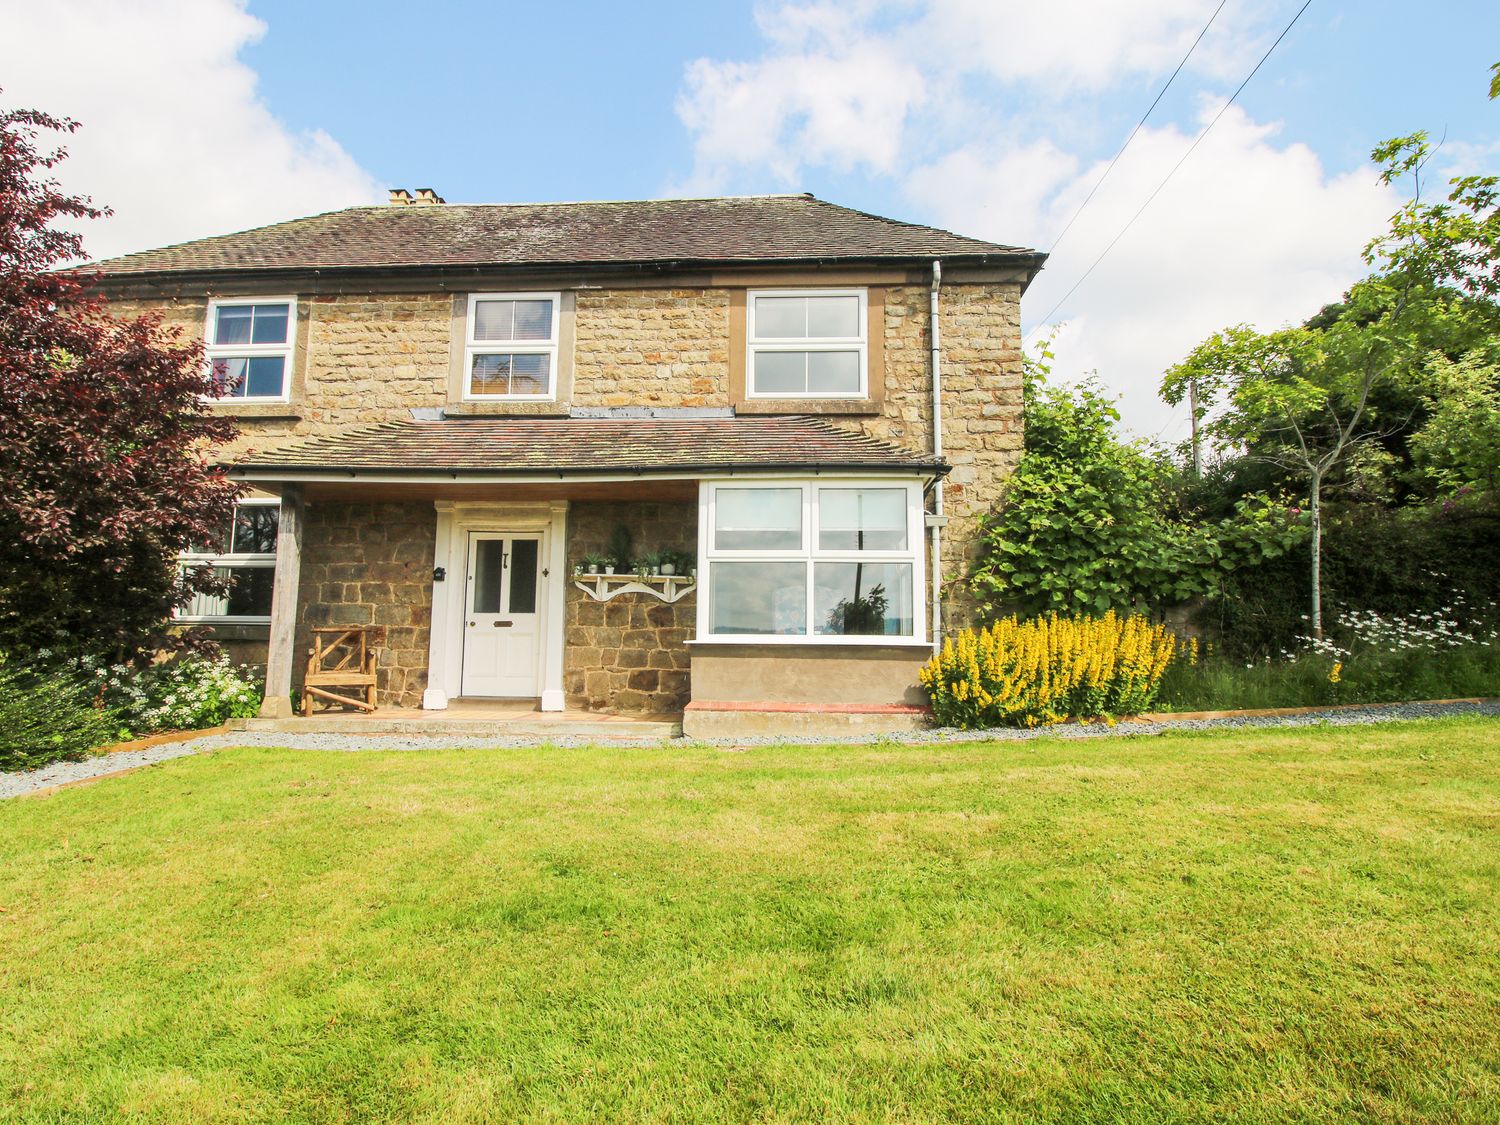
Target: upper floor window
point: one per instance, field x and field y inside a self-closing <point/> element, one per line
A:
<point x="250" y="347"/>
<point x="806" y="343"/>
<point x="245" y="553"/>
<point x="510" y="350"/>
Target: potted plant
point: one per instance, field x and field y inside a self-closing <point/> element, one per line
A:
<point x="651" y="561"/>
<point x="643" y="567"/>
<point x="619" y="552"/>
<point x="595" y="563"/>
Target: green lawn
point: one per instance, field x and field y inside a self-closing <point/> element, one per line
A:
<point x="1264" y="926"/>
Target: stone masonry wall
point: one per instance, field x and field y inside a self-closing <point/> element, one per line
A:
<point x="370" y="564"/>
<point x="652" y="347"/>
<point x="629" y="653"/>
<point x="371" y="358"/>
<point x="982" y="414"/>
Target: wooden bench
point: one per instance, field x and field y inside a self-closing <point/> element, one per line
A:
<point x="343" y="658"/>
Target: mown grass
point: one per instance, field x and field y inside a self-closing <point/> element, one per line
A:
<point x="1286" y="925"/>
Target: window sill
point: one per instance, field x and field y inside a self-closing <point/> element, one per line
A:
<point x="283" y="410"/>
<point x="781" y="641"/>
<point x="807" y="406"/>
<point x="506" y="410"/>
<point x="227" y="630"/>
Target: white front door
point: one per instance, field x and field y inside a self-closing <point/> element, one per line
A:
<point x="501" y="626"/>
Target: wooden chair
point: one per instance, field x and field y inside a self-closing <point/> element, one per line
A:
<point x="344" y="658"/>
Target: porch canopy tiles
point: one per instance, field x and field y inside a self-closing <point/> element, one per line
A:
<point x="461" y="460"/>
<point x="539" y="449"/>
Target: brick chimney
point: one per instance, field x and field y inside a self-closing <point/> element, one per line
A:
<point x="400" y="197"/>
<point x="426" y="196"/>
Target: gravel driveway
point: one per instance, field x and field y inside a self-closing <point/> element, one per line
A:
<point x="61" y="773"/>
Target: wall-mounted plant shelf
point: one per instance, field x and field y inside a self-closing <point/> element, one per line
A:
<point x="665" y="587"/>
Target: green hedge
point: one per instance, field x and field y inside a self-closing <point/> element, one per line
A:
<point x="46" y="716"/>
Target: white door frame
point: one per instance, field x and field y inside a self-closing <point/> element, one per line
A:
<point x="455" y="520"/>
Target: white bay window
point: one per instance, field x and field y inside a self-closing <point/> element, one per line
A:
<point x="822" y="561"/>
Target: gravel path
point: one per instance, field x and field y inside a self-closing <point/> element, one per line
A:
<point x="61" y="773"/>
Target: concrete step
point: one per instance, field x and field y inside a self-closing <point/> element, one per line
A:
<point x="540" y="730"/>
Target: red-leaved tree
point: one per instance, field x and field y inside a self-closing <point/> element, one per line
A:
<point x="103" y="435"/>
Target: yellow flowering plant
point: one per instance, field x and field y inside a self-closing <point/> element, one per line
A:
<point x="1048" y="669"/>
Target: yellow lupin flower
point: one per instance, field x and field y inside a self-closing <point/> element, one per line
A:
<point x="1050" y="668"/>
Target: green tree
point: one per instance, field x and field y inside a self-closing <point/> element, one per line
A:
<point x="1306" y="399"/>
<point x="1091" y="522"/>
<point x="1458" y="447"/>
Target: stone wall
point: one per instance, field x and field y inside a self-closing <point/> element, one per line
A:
<point x="982" y="412"/>
<point x="629" y="653"/>
<point x="652" y="347"/>
<point x="371" y="358"/>
<point x="371" y="564"/>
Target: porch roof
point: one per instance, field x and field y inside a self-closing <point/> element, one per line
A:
<point x="557" y="448"/>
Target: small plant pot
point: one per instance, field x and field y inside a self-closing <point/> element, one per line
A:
<point x="669" y="568"/>
<point x="609" y="570"/>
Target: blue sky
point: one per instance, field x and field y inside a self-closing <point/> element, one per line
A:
<point x="407" y="95"/>
<point x="991" y="118"/>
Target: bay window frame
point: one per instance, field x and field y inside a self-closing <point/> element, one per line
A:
<point x="810" y="554"/>
<point x="550" y="347"/>
<point x="219" y="352"/>
<point x="860" y="344"/>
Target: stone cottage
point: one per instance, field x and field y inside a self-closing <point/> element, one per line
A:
<point x="775" y="419"/>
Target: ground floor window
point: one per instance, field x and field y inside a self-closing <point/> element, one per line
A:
<point x="245" y="552"/>
<point x="812" y="560"/>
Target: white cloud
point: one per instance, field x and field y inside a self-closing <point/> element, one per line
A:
<point x="1248" y="231"/>
<point x="829" y="92"/>
<point x="1066" y="45"/>
<point x="1251" y="229"/>
<point x="174" y="135"/>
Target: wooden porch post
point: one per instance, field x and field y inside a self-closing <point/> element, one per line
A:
<point x="279" y="654"/>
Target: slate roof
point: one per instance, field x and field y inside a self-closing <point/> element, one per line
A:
<point x="768" y="228"/>
<point x="560" y="447"/>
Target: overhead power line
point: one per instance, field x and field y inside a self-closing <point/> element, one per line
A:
<point x="1138" y="125"/>
<point x="1167" y="179"/>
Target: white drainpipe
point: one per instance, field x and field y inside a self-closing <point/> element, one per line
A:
<point x="937" y="519"/>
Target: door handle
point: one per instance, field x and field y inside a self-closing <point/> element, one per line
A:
<point x="504" y="624"/>
<point x="471" y="624"/>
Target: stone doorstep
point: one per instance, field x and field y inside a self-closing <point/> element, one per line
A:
<point x="541" y="730"/>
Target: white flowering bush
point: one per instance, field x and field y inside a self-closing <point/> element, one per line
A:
<point x="1366" y="657"/>
<point x="185" y="694"/>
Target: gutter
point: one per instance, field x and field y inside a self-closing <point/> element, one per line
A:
<point x="937" y="519"/>
<point x="335" y="473"/>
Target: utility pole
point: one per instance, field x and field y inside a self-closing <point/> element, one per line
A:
<point x="1193" y="407"/>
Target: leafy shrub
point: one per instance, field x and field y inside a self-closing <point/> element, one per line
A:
<point x="1369" y="658"/>
<point x="1047" y="669"/>
<point x="1413" y="560"/>
<point x="47" y="715"/>
<point x="186" y="694"/>
<point x="1091" y="522"/>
